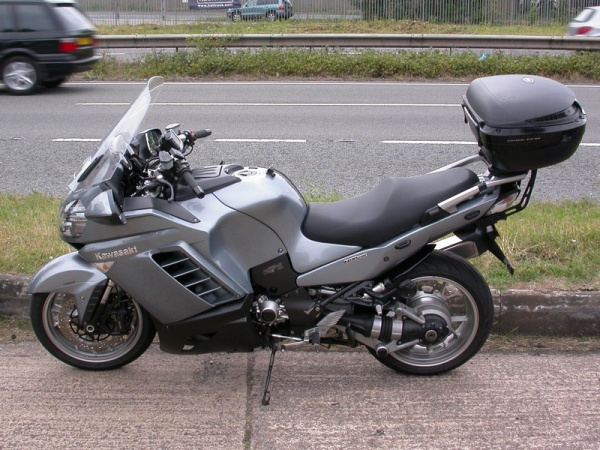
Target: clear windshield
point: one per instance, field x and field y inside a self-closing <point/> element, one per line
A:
<point x="101" y="165"/>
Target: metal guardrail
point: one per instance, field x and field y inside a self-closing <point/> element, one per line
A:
<point x="355" y="41"/>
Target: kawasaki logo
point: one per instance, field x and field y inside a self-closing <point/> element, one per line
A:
<point x="102" y="256"/>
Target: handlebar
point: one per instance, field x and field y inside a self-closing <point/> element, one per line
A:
<point x="193" y="136"/>
<point x="189" y="179"/>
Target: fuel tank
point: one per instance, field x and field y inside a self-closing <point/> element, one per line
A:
<point x="271" y="198"/>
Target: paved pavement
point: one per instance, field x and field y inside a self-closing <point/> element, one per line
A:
<point x="517" y="311"/>
<point x="320" y="400"/>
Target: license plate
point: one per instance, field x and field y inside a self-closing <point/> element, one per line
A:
<point x="85" y="42"/>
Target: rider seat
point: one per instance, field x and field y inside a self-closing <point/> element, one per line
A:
<point x="393" y="207"/>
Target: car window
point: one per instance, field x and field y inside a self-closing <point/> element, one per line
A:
<point x="584" y="15"/>
<point x="33" y="18"/>
<point x="251" y="3"/>
<point x="73" y="19"/>
<point x="6" y="24"/>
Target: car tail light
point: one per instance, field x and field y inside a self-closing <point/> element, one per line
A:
<point x="281" y="8"/>
<point x="584" y="30"/>
<point x="68" y="46"/>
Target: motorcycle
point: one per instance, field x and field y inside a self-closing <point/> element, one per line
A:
<point x="228" y="258"/>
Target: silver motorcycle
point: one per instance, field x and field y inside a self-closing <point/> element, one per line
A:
<point x="229" y="258"/>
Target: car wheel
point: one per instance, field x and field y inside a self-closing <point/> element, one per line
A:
<point x="20" y="75"/>
<point x="236" y="17"/>
<point x="271" y="16"/>
<point x="54" y="83"/>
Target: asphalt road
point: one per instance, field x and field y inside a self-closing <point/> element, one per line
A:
<point x="342" y="137"/>
<point x="539" y="399"/>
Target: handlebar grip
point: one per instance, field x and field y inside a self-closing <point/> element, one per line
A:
<point x="202" y="133"/>
<point x="191" y="182"/>
<point x="193" y="136"/>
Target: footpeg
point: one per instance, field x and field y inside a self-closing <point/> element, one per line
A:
<point x="313" y="335"/>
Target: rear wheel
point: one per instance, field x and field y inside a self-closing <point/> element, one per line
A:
<point x="447" y="287"/>
<point x="272" y="16"/>
<point x="120" y="335"/>
<point x="20" y="75"/>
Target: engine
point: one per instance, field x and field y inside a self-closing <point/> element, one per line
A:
<point x="269" y="311"/>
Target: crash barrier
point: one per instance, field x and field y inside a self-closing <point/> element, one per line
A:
<point x="397" y="41"/>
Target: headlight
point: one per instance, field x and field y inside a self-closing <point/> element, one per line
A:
<point x="74" y="220"/>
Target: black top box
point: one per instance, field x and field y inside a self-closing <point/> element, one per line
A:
<point x="523" y="122"/>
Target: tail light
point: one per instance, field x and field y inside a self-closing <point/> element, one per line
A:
<point x="584" y="30"/>
<point x="68" y="46"/>
<point x="281" y="8"/>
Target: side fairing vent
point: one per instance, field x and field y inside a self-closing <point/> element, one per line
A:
<point x="193" y="278"/>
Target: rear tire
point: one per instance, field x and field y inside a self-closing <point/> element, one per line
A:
<point x="20" y="75"/>
<point x="447" y="278"/>
<point x="54" y="319"/>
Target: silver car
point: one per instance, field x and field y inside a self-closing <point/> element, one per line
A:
<point x="586" y="23"/>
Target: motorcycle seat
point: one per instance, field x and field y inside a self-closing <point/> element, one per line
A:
<point x="394" y="206"/>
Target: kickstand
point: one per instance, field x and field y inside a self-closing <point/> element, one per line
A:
<point x="267" y="395"/>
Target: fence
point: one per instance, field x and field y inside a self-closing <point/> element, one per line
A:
<point x="487" y="12"/>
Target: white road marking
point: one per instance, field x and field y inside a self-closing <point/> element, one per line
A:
<point x="431" y="142"/>
<point x="372" y="105"/>
<point x="262" y="140"/>
<point x="304" y="141"/>
<point x="76" y="140"/>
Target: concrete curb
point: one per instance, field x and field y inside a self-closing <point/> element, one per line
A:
<point x="557" y="313"/>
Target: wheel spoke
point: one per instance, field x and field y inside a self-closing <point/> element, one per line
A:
<point x="460" y="319"/>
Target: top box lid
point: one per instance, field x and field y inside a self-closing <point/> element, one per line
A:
<point x="516" y="100"/>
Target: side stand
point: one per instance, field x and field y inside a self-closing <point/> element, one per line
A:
<point x="267" y="395"/>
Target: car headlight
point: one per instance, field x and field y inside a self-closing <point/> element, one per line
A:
<point x="73" y="219"/>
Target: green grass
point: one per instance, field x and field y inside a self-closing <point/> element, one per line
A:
<point x="550" y="244"/>
<point x="209" y="61"/>
<point x="28" y="233"/>
<point x="332" y="26"/>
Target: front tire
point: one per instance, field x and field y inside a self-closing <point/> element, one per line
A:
<point x="55" y="322"/>
<point x="449" y="280"/>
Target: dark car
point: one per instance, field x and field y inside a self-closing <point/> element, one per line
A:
<point x="262" y="9"/>
<point x="42" y="42"/>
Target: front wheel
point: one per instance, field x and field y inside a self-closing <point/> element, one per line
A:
<point x="121" y="334"/>
<point x="449" y="284"/>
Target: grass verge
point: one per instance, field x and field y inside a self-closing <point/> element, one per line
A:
<point x="552" y="245"/>
<point x="332" y="27"/>
<point x="209" y="61"/>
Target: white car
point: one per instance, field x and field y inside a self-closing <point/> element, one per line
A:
<point x="586" y="23"/>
